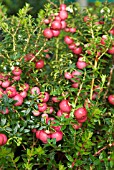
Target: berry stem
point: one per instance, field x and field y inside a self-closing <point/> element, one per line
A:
<point x="39" y="51"/>
<point x="105" y="147"/>
<point x="57" y="49"/>
<point x="52" y="3"/>
<point x="80" y="88"/>
<point x="93" y="79"/>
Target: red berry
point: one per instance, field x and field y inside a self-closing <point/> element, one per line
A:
<point x="56" y="25"/>
<point x="75" y="85"/>
<point x="76" y="73"/>
<point x="72" y="30"/>
<point x="62" y="7"/>
<point x="63" y="24"/>
<point x="103" y="41"/>
<point x="16" y="71"/>
<point x="49" y="109"/>
<point x="37" y="133"/>
<point x="81" y="64"/>
<point x="35" y="90"/>
<point x="29" y="57"/>
<point x="54" y="99"/>
<point x="46" y="21"/>
<point x="68" y="75"/>
<point x="56" y="33"/>
<point x="48" y="33"/>
<point x="19" y="99"/>
<point x="0" y="82"/>
<point x="111" y="99"/>
<point x="44" y="115"/>
<point x="67" y="29"/>
<point x="34" y="130"/>
<point x="5" y="112"/>
<point x="60" y="113"/>
<point x="16" y="78"/>
<point x="1" y="140"/>
<point x="23" y="94"/>
<point x="36" y="112"/>
<point x="11" y="91"/>
<point x="42" y="107"/>
<point x="82" y="120"/>
<point x="43" y="136"/>
<point x="64" y="106"/>
<point x="86" y="18"/>
<point x="39" y="64"/>
<point x="112" y="31"/>
<point x="68" y="40"/>
<point x="63" y="15"/>
<point x="77" y="126"/>
<point x="25" y="87"/>
<point x="4" y="138"/>
<point x="72" y="46"/>
<point x="57" y="128"/>
<point x="44" y="97"/>
<point x="58" y="135"/>
<point x="94" y="96"/>
<point x="57" y="18"/>
<point x="50" y="119"/>
<point x="77" y="50"/>
<point x="80" y="114"/>
<point x="111" y="50"/>
<point x="5" y="84"/>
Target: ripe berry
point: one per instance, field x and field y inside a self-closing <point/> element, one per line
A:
<point x="64" y="106"/>
<point x="80" y="114"/>
<point x="111" y="99"/>
<point x="19" y="100"/>
<point x="39" y="64"/>
<point x="77" y="50"/>
<point x="48" y="33"/>
<point x="63" y="15"/>
<point x="56" y="25"/>
<point x="68" y="40"/>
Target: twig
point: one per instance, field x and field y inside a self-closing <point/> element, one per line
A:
<point x="52" y="3"/>
<point x="99" y="151"/>
<point x="39" y="50"/>
<point x="80" y="88"/>
<point x="57" y="47"/>
<point x="93" y="79"/>
<point x="110" y="78"/>
<point x="105" y="147"/>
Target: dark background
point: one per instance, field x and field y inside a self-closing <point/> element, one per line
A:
<point x="14" y="5"/>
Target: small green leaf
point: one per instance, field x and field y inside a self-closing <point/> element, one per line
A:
<point x="69" y="157"/>
<point x="3" y="121"/>
<point x="61" y="167"/>
<point x="28" y="111"/>
<point x="39" y="150"/>
<point x="8" y="129"/>
<point x="26" y="130"/>
<point x="16" y="159"/>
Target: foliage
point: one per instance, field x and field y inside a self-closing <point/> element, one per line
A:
<point x="91" y="146"/>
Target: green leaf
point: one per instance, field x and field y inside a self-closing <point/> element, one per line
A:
<point x="28" y="111"/>
<point x="28" y="152"/>
<point x="39" y="150"/>
<point x="3" y="121"/>
<point x="16" y="159"/>
<point x="69" y="157"/>
<point x="8" y="129"/>
<point x="26" y="130"/>
<point x="61" y="167"/>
